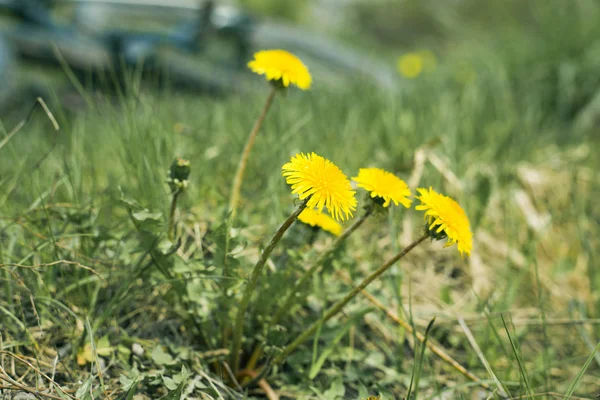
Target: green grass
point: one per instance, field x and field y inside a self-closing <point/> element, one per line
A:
<point x="80" y="275"/>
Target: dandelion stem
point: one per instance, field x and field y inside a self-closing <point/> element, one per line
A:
<point x="171" y="231"/>
<point x="239" y="175"/>
<point x="337" y="307"/>
<point x="289" y="301"/>
<point x="291" y="298"/>
<point x="251" y="285"/>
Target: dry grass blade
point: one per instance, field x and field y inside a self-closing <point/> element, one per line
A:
<point x="14" y="385"/>
<point x="552" y="394"/>
<point x="482" y="358"/>
<point x="51" y="264"/>
<point x="22" y="123"/>
<point x="264" y="385"/>
<point x="32" y="367"/>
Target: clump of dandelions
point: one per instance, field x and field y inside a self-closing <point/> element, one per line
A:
<point x="446" y="219"/>
<point x="384" y="189"/>
<point x="320" y="181"/>
<point x="384" y="186"/>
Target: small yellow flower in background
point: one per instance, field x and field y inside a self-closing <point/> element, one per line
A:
<point x="86" y="354"/>
<point x="179" y="127"/>
<point x="411" y="65"/>
<point x="314" y="177"/>
<point x="321" y="220"/>
<point x="446" y="219"/>
<point x="281" y="66"/>
<point x="384" y="185"/>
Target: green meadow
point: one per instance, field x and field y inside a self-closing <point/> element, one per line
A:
<point x="97" y="303"/>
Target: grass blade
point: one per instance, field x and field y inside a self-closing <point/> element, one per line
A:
<point x="519" y="361"/>
<point x="581" y="372"/>
<point x="501" y="388"/>
<point x="418" y="367"/>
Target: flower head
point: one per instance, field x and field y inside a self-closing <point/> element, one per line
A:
<point x="446" y="219"/>
<point x="384" y="185"/>
<point x="411" y="65"/>
<point x="281" y="66"/>
<point x="321" y="220"/>
<point x="322" y="182"/>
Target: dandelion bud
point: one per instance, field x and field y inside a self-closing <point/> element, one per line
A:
<point x="178" y="174"/>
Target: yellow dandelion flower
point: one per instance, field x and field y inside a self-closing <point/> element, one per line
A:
<point x="446" y="219"/>
<point x="411" y="65"/>
<point x="321" y="220"/>
<point x="384" y="185"/>
<point x="314" y="177"/>
<point x="281" y="66"/>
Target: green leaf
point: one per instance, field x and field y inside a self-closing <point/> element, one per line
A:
<point x="126" y="382"/>
<point x="318" y="364"/>
<point x="169" y="383"/>
<point x="130" y="203"/>
<point x="130" y="385"/>
<point x="318" y="393"/>
<point x="62" y="395"/>
<point x="182" y="376"/>
<point x="124" y="352"/>
<point x="146" y="220"/>
<point x="83" y="393"/>
<point x="175" y="394"/>
<point x="165" y="247"/>
<point x="335" y="390"/>
<point x="219" y="237"/>
<point x="161" y="357"/>
<point x="103" y="347"/>
<point x="363" y="393"/>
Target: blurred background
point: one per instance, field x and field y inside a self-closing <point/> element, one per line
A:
<point x="203" y="45"/>
<point x="200" y="46"/>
